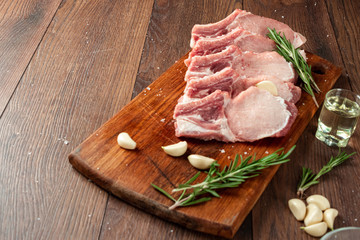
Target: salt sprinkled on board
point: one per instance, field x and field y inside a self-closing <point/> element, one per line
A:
<point x="222" y="150"/>
<point x="266" y="152"/>
<point x="66" y="142"/>
<point x="148" y="88"/>
<point x="282" y="16"/>
<point x="162" y="120"/>
<point x="245" y="153"/>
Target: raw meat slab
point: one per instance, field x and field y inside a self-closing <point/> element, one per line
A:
<point x="148" y="119"/>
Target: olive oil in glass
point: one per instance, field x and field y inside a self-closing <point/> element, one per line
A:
<point x="338" y="117"/>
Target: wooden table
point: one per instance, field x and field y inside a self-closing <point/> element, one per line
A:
<point x="68" y="66"/>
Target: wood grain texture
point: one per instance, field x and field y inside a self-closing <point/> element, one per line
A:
<point x="310" y="152"/>
<point x="168" y="38"/>
<point x="128" y="174"/>
<point x="79" y="71"/>
<point x="22" y="25"/>
<point x="81" y="74"/>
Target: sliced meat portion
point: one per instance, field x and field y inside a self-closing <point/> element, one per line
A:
<point x="286" y="90"/>
<point x="246" y="64"/>
<point x="227" y="80"/>
<point x="255" y="114"/>
<point x="204" y="119"/>
<point x="245" y="40"/>
<point x="248" y="21"/>
<point x="252" y="115"/>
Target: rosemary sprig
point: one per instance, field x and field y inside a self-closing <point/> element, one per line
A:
<point x="288" y="51"/>
<point x="308" y="178"/>
<point x="231" y="176"/>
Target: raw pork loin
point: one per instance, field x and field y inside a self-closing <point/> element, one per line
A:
<point x="248" y="21"/>
<point x="253" y="114"/>
<point x="245" y="40"/>
<point x="229" y="58"/>
<point x="246" y="64"/>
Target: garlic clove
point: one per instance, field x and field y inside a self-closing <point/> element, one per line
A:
<point x="316" y="230"/>
<point x="329" y="217"/>
<point x="313" y="215"/>
<point x="176" y="150"/>
<point x="125" y="141"/>
<point x="321" y="201"/>
<point x="268" y="86"/>
<point x="298" y="208"/>
<point x="200" y="162"/>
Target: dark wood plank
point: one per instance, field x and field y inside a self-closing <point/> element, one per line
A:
<point x="311" y="19"/>
<point x="22" y="25"/>
<point x="128" y="174"/>
<point x="81" y="74"/>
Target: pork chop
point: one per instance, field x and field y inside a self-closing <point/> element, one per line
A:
<point x="247" y="64"/>
<point x="252" y="115"/>
<point x="245" y="40"/>
<point x="255" y="114"/>
<point x="248" y="21"/>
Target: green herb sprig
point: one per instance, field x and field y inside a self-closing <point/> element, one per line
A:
<point x="288" y="51"/>
<point x="308" y="178"/>
<point x="231" y="176"/>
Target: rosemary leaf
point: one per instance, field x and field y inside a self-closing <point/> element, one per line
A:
<point x="308" y="178"/>
<point x="288" y="51"/>
<point x="230" y="177"/>
<point x="163" y="192"/>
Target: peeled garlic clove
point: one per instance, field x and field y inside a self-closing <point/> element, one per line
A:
<point x="176" y="149"/>
<point x="319" y="200"/>
<point x="125" y="141"/>
<point x="268" y="86"/>
<point x="298" y="208"/>
<point x="200" y="162"/>
<point x="313" y="215"/>
<point x="316" y="230"/>
<point x="329" y="217"/>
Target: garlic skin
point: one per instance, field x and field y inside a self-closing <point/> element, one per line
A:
<point x="329" y="217"/>
<point x="176" y="150"/>
<point x="314" y="215"/>
<point x="125" y="141"/>
<point x="297" y="208"/>
<point x="316" y="230"/>
<point x="200" y="162"/>
<point x="321" y="201"/>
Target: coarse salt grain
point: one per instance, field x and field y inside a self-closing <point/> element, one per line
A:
<point x="162" y="120"/>
<point x="267" y="152"/>
<point x="222" y="150"/>
<point x="148" y="88"/>
<point x="66" y="142"/>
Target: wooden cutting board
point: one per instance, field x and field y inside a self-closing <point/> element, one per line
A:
<point x="148" y="119"/>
